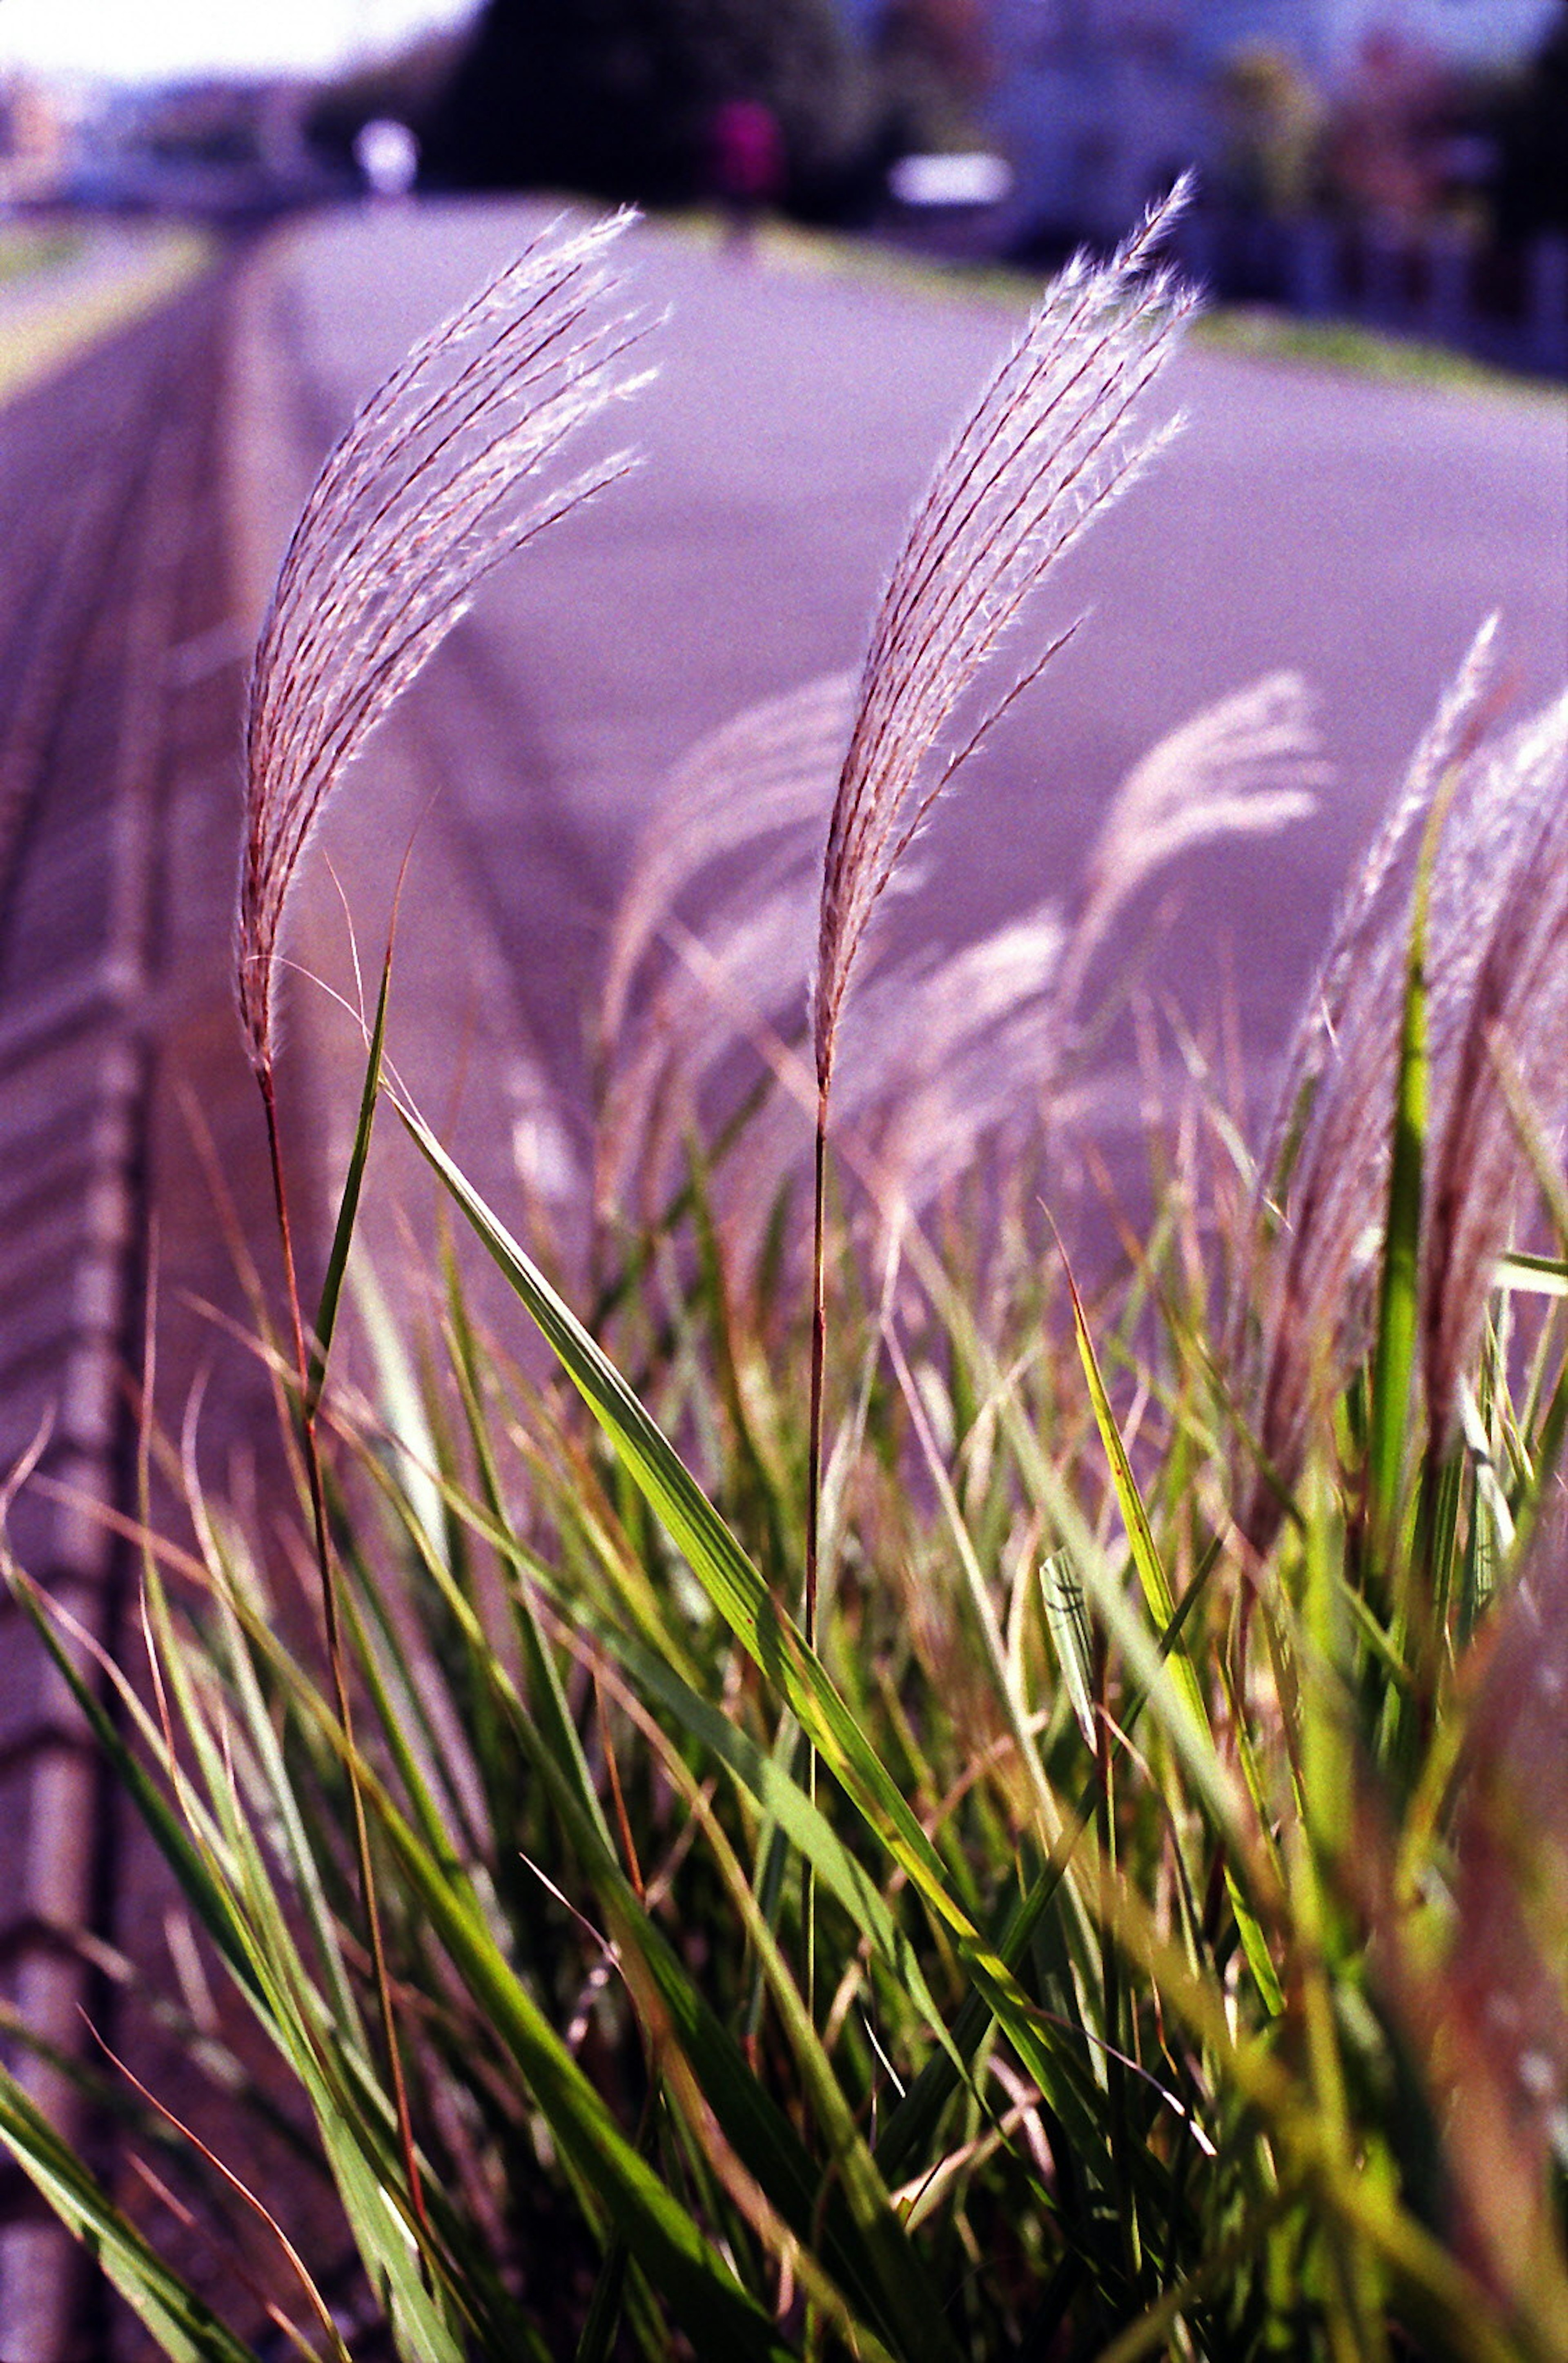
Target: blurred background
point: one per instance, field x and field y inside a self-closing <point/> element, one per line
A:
<point x="1404" y="160"/>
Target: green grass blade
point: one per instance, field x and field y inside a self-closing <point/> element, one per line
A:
<point x="186" y="2329"/>
<point x="1068" y="1624"/>
<point x="347" y="1204"/>
<point x="1398" y="1296"/>
<point x="1139" y="1534"/>
<point x="770" y="1637"/>
<point x="206" y="1896"/>
<point x="760" y="2136"/>
<point x="912" y="2122"/>
<point x="766" y="1777"/>
<point x="706" y="2299"/>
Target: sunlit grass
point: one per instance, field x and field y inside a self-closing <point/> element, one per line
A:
<point x="1046" y="1842"/>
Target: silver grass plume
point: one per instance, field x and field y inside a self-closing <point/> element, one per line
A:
<point x="445" y="473"/>
<point x="731" y="986"/>
<point x="938" y="1053"/>
<point x="1050" y="444"/>
<point x="1497" y="969"/>
<point x="767" y="770"/>
<point x="934" y="1060"/>
<point x="1323" y="1171"/>
<point x="951" y="1042"/>
<point x="1513" y="1029"/>
<point x="1314" y="1278"/>
<point x="1248" y="763"/>
<point x="670" y="1009"/>
<point x="1383" y="874"/>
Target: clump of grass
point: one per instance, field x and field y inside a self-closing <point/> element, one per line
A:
<point x="1177" y="1967"/>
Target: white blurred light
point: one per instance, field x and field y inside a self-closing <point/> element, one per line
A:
<point x="388" y="155"/>
<point x="977" y="180"/>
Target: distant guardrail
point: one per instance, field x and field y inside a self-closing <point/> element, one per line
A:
<point x="1502" y="304"/>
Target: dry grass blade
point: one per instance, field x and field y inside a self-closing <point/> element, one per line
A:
<point x="444" y="473"/>
<point x="1050" y="444"/>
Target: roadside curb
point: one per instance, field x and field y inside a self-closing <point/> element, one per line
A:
<point x="84" y="743"/>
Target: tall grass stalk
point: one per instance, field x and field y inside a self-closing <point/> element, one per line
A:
<point x="433" y="485"/>
<point x="1048" y="446"/>
<point x="1169" y="1742"/>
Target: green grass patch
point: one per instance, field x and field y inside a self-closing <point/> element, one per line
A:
<point x="54" y="323"/>
<point x="26" y="251"/>
<point x="1253" y="332"/>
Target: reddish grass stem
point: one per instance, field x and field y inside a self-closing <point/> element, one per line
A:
<point x="332" y="1627"/>
<point x="814" y="1492"/>
<point x="818" y="1356"/>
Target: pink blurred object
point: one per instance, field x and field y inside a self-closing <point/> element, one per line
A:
<point x="748" y="152"/>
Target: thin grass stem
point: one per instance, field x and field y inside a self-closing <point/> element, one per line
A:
<point x="332" y="1629"/>
<point x="813" y="1489"/>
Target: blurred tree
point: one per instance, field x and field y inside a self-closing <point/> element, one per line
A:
<point x="409" y="86"/>
<point x="1388" y="145"/>
<point x="935" y="62"/>
<point x="1531" y="130"/>
<point x="1273" y="119"/>
<point x="622" y="97"/>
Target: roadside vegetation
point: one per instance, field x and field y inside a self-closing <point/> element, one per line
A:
<point x="26" y="248"/>
<point x="1259" y="331"/>
<point x="72" y="287"/>
<point x="829" y="1794"/>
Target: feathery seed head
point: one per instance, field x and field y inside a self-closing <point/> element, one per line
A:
<point x="1500" y="1036"/>
<point x="1496" y="968"/>
<point x="1379" y="887"/>
<point x="446" y="470"/>
<point x="765" y="772"/>
<point x="1249" y="763"/>
<point x="1050" y="444"/>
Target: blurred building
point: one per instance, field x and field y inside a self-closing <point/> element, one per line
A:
<point x="212" y="147"/>
<point x="1354" y="156"/>
<point x="1322" y="33"/>
<point x="1098" y="102"/>
<point x="207" y="147"/>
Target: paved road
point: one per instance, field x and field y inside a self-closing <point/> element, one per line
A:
<point x="1357" y="531"/>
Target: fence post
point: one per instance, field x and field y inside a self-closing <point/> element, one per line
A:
<point x="1384" y="298"/>
<point x="1547" y="324"/>
<point x="1313" y="266"/>
<point x="1446" y="310"/>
